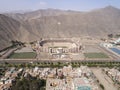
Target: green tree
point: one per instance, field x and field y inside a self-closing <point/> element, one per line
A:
<point x="110" y="35"/>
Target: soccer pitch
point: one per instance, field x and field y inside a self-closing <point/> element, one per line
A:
<point x="23" y="55"/>
<point x="96" y="55"/>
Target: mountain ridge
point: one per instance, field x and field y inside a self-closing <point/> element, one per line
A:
<point x="32" y="26"/>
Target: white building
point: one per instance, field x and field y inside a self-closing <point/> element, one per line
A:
<point x="107" y="45"/>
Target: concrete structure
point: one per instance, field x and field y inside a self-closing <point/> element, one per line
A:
<point x="117" y="41"/>
<point x="81" y="84"/>
<point x="107" y="45"/>
<point x="73" y="79"/>
<point x="58" y="48"/>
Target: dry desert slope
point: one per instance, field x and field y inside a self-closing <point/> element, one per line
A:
<point x="33" y="25"/>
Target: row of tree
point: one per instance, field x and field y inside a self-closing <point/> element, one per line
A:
<point x="113" y="36"/>
<point x="15" y="43"/>
<point x="61" y="64"/>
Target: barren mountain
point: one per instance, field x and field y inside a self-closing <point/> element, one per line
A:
<point x="32" y="26"/>
<point x="9" y="30"/>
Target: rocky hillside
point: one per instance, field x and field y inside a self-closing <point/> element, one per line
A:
<point x="9" y="30"/>
<point x="57" y="23"/>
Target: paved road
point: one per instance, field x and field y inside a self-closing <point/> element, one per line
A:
<point x="104" y="79"/>
<point x="8" y="53"/>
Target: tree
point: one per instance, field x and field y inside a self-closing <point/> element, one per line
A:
<point x="110" y="35"/>
<point x="117" y="35"/>
<point x="29" y="83"/>
<point x="102" y="86"/>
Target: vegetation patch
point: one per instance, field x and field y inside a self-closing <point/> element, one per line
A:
<point x="29" y="83"/>
<point x="23" y="55"/>
<point x="96" y="55"/>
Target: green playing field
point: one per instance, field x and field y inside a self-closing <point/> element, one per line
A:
<point x="96" y="55"/>
<point x="24" y="55"/>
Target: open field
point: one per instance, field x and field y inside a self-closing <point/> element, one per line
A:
<point x="23" y="55"/>
<point x="92" y="49"/>
<point x="96" y="55"/>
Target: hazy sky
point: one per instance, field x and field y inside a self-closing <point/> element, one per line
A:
<point x="79" y="5"/>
